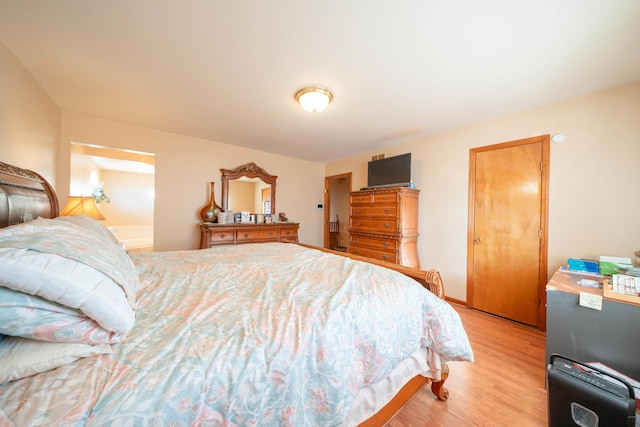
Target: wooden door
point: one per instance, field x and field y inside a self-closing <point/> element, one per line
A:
<point x="507" y="244"/>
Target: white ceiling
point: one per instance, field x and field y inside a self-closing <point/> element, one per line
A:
<point x="123" y="165"/>
<point x="227" y="71"/>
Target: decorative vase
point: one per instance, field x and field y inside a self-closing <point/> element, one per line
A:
<point x="210" y="212"/>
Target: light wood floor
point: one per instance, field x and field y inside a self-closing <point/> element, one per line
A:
<point x="505" y="386"/>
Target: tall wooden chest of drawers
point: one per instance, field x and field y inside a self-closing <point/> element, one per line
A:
<point x="383" y="224"/>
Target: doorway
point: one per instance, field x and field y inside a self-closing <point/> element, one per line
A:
<point x="336" y="211"/>
<point x="124" y="180"/>
<point x="507" y="231"/>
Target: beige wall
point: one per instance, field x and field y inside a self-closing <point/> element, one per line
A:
<point x="80" y="168"/>
<point x="132" y="198"/>
<point x="29" y="120"/>
<point x="594" y="179"/>
<point x="185" y="166"/>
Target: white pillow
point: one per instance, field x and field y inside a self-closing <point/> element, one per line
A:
<point x="22" y="357"/>
<point x="66" y="263"/>
<point x="69" y="283"/>
<point x="76" y="243"/>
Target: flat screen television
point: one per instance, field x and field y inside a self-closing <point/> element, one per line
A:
<point x="390" y="172"/>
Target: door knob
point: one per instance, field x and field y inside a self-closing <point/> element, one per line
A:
<point x="477" y="240"/>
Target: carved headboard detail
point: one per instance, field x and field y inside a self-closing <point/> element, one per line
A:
<point x="24" y="196"/>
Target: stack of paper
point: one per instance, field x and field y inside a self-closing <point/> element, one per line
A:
<point x="614" y="265"/>
<point x="633" y="271"/>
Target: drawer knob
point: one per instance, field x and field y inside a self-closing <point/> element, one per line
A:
<point x="358" y="211"/>
<point x="357" y="240"/>
<point x="387" y="226"/>
<point x="270" y="233"/>
<point x="358" y="223"/>
<point x="223" y="236"/>
<point x="387" y="211"/>
<point x="384" y="257"/>
<point x="385" y="244"/>
<point x="357" y="251"/>
<point x="246" y="235"/>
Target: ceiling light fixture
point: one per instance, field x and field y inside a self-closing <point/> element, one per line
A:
<point x="313" y="98"/>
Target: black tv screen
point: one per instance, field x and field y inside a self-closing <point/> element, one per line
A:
<point x="390" y="172"/>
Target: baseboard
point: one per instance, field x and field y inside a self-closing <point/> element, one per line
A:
<point x="455" y="301"/>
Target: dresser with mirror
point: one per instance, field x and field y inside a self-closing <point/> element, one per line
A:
<point x="248" y="188"/>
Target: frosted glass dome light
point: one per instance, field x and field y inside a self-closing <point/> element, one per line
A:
<point x="314" y="99"/>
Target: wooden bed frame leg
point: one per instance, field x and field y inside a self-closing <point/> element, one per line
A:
<point x="437" y="387"/>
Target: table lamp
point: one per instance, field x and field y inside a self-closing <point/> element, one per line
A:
<point x="81" y="205"/>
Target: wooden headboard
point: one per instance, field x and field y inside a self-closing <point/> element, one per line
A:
<point x="24" y="196"/>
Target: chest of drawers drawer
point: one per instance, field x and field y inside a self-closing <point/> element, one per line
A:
<point x="373" y="242"/>
<point x="376" y="254"/>
<point x="374" y="225"/>
<point x="374" y="210"/>
<point x="373" y="199"/>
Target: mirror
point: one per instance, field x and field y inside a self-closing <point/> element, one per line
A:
<point x="248" y="188"/>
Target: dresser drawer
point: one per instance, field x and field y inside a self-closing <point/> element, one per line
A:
<point x="247" y="235"/>
<point x="289" y="234"/>
<point x="372" y="253"/>
<point x="221" y="237"/>
<point x="374" y="210"/>
<point x="373" y="242"/>
<point x="233" y="234"/>
<point x="389" y="225"/>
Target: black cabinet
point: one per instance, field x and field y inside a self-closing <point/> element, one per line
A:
<point x="610" y="335"/>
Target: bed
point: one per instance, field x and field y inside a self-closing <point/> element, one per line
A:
<point x="257" y="334"/>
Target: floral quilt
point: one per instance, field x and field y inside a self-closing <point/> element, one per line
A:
<point x="257" y="334"/>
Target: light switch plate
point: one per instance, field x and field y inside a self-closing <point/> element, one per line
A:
<point x="590" y="300"/>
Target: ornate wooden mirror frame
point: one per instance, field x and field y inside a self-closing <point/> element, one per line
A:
<point x="250" y="170"/>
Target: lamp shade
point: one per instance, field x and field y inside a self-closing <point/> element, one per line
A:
<point x="82" y="206"/>
<point x="314" y="99"/>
